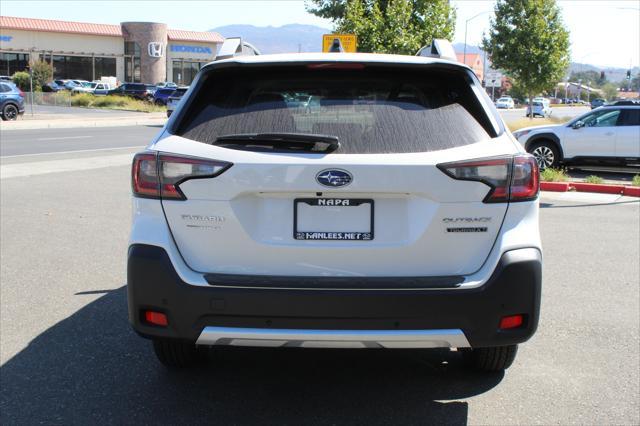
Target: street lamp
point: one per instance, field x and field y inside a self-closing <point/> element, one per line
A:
<point x="466" y="23"/>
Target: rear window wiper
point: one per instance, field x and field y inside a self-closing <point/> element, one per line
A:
<point x="280" y="141"/>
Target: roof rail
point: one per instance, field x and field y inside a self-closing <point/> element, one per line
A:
<point x="626" y="102"/>
<point x="439" y="48"/>
<point x="234" y="46"/>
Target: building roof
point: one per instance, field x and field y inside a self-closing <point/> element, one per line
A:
<point x="471" y="58"/>
<point x="69" y="27"/>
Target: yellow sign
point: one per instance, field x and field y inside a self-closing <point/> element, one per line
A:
<point x="348" y="42"/>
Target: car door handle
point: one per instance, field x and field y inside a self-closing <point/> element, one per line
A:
<point x="609" y="134"/>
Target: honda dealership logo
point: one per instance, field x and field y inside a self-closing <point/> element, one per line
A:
<point x="156" y="50"/>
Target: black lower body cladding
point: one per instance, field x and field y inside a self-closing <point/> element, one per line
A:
<point x="514" y="288"/>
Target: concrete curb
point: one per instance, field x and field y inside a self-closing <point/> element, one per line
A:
<point x="630" y="191"/>
<point x="69" y="124"/>
<point x="555" y="186"/>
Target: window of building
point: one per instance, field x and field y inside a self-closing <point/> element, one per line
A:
<point x="73" y="67"/>
<point x="132" y="62"/>
<point x="105" y="67"/>
<point x="184" y="72"/>
<point x="11" y="63"/>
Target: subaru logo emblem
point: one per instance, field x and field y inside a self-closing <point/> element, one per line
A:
<point x="334" y="178"/>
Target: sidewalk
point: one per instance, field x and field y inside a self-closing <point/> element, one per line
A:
<point x="63" y="121"/>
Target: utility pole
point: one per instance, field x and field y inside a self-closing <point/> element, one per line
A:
<point x="466" y="23"/>
<point x="579" y="89"/>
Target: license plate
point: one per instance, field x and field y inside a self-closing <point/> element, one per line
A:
<point x="344" y="219"/>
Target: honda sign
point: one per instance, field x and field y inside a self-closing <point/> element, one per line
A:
<point x="156" y="50"/>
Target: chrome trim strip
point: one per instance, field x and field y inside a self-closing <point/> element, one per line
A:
<point x="235" y="336"/>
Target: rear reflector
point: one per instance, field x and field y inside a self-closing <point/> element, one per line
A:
<point x="156" y="318"/>
<point x="159" y="175"/>
<point x="512" y="321"/>
<point x="510" y="178"/>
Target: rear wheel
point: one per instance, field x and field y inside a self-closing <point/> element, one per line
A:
<point x="546" y="154"/>
<point x="492" y="359"/>
<point x="177" y="353"/>
<point x="10" y="112"/>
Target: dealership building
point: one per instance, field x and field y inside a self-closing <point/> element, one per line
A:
<point x="145" y="52"/>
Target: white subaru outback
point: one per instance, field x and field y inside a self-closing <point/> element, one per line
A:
<point x="391" y="210"/>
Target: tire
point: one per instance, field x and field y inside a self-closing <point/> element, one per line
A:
<point x="177" y="353"/>
<point x="10" y="112"/>
<point x="498" y="358"/>
<point x="546" y="153"/>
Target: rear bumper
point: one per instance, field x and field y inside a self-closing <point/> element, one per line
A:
<point x="296" y="317"/>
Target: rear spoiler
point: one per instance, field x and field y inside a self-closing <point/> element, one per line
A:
<point x="439" y="48"/>
<point x="234" y="46"/>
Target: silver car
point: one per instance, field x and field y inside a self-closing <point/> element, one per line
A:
<point x="539" y="108"/>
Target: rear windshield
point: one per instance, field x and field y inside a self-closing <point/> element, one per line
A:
<point x="375" y="109"/>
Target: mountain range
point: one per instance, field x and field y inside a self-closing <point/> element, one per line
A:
<point x="289" y="38"/>
<point x="293" y="38"/>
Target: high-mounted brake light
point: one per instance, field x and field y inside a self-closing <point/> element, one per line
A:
<point x="160" y="175"/>
<point x="510" y="178"/>
<point x="337" y="66"/>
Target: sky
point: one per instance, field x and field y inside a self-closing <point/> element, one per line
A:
<point x="603" y="32"/>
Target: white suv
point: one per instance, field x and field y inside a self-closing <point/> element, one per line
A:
<point x="397" y="213"/>
<point x="608" y="135"/>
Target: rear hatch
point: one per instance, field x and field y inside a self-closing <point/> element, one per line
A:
<point x="287" y="200"/>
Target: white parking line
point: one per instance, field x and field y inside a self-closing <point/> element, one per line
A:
<point x="63" y="138"/>
<point x="72" y="152"/>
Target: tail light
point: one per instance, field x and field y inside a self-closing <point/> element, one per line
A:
<point x="160" y="175"/>
<point x="21" y="93"/>
<point x="510" y="178"/>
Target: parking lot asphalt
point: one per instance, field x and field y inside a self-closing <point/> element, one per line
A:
<point x="46" y="141"/>
<point x="68" y="355"/>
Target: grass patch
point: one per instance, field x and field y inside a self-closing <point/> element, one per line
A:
<point x="553" y="175"/>
<point x="114" y="102"/>
<point x="636" y="180"/>
<point x="527" y="122"/>
<point x="594" y="179"/>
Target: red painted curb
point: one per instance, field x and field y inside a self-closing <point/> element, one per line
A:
<point x="631" y="191"/>
<point x="599" y="188"/>
<point x="555" y="186"/>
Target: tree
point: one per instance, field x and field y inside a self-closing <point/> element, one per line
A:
<point x="389" y="26"/>
<point x="528" y="41"/>
<point x="610" y="91"/>
<point x="41" y="72"/>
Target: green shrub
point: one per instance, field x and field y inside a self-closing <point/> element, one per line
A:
<point x="42" y="74"/>
<point x="21" y="79"/>
<point x="636" y="180"/>
<point x="593" y="179"/>
<point x="109" y="101"/>
<point x="553" y="175"/>
<point x="82" y="100"/>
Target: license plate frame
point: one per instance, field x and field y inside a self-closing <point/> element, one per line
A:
<point x="333" y="236"/>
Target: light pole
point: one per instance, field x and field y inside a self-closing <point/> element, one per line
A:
<point x="466" y="23"/>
